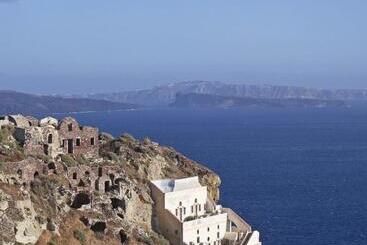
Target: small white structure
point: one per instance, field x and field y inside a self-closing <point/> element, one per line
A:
<point x="185" y="215"/>
<point x="49" y="121"/>
<point x="182" y="214"/>
<point x="4" y="120"/>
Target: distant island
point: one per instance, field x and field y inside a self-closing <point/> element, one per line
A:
<point x="208" y="100"/>
<point x="183" y="94"/>
<point x="165" y="95"/>
<point x="15" y="102"/>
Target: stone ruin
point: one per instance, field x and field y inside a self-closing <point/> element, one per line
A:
<point x="94" y="186"/>
<point x="51" y="137"/>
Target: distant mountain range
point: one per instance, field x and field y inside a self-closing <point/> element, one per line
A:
<point x="15" y="102"/>
<point x="166" y="94"/>
<point x="208" y="100"/>
<point x="183" y="94"/>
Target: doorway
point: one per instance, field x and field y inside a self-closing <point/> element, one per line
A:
<point x="70" y="146"/>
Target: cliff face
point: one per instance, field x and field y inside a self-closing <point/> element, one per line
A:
<point x="101" y="200"/>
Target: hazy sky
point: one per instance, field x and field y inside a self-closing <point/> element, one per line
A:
<point x="108" y="45"/>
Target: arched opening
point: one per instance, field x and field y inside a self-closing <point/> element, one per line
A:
<point x="51" y="166"/>
<point x="117" y="203"/>
<point x="81" y="183"/>
<point x="50" y="139"/>
<point x="36" y="174"/>
<point x="87" y="173"/>
<point x="80" y="200"/>
<point x="75" y="175"/>
<point x="99" y="226"/>
<point x="20" y="173"/>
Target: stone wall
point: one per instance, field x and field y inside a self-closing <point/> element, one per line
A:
<point x="22" y="172"/>
<point x="76" y="139"/>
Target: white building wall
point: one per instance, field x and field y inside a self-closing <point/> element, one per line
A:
<point x="209" y="230"/>
<point x="255" y="239"/>
<point x="167" y="224"/>
<point x="187" y="199"/>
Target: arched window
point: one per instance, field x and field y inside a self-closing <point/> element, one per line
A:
<point x="75" y="175"/>
<point x="49" y="139"/>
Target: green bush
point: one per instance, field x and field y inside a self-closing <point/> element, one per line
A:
<point x="79" y="235"/>
<point x="112" y="156"/>
<point x="82" y="160"/>
<point x="68" y="160"/>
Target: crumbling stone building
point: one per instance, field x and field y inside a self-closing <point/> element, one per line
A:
<point x="51" y="137"/>
<point x="76" y="139"/>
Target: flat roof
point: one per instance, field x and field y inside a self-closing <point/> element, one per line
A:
<point x="172" y="185"/>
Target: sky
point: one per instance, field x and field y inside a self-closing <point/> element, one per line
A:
<point x="77" y="46"/>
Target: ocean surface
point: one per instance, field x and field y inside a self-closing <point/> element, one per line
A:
<point x="299" y="176"/>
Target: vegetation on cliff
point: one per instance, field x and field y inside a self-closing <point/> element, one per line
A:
<point x="42" y="203"/>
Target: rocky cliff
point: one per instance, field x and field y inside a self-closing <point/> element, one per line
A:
<point x="77" y="200"/>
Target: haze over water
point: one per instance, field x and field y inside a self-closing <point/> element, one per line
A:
<point x="299" y="176"/>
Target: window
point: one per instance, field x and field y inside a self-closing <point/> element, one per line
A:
<point x="184" y="210"/>
<point x="217" y="234"/>
<point x="92" y="141"/>
<point x="180" y="204"/>
<point x="176" y="232"/>
<point x="70" y="127"/>
<point x="49" y="139"/>
<point x="192" y="209"/>
<point x="62" y="143"/>
<point x="74" y="175"/>
<point x="77" y="142"/>
<point x="100" y="172"/>
<point x="197" y="231"/>
<point x="208" y="229"/>
<point x="208" y="239"/>
<point x="196" y="200"/>
<point x="218" y="227"/>
<point x="199" y="207"/>
<point x="198" y="239"/>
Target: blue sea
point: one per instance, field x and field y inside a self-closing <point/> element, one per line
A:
<point x="299" y="176"/>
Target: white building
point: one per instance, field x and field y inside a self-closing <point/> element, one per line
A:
<point x="185" y="215"/>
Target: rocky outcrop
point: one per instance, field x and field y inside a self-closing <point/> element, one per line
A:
<point x="78" y="200"/>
